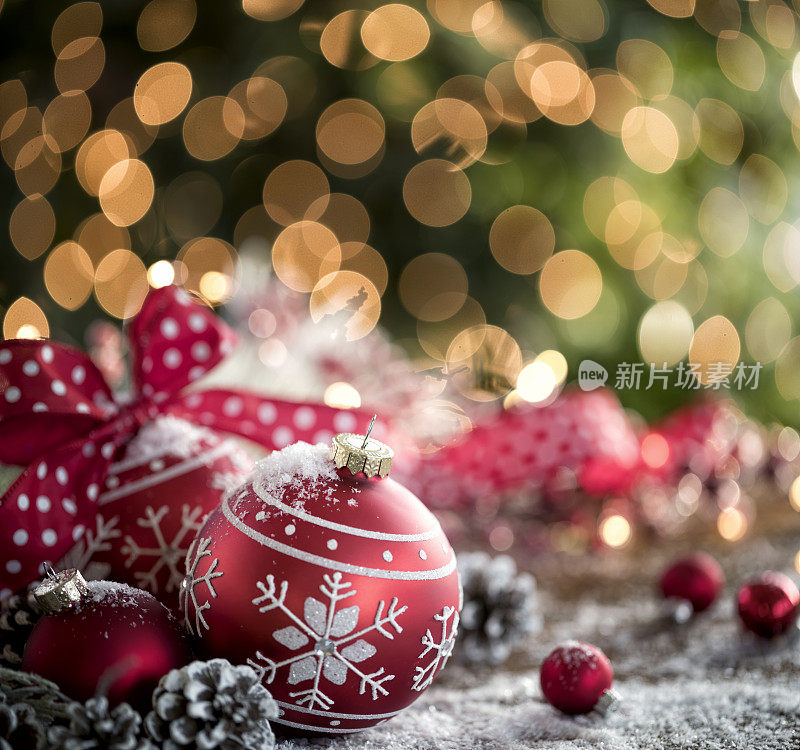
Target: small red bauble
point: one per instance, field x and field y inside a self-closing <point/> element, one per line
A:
<point x="113" y="638"/>
<point x="696" y="579"/>
<point x="769" y="605"/>
<point x="155" y="499"/>
<point x="576" y="677"/>
<point x="342" y="593"/>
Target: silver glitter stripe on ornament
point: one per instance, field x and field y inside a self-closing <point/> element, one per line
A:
<point x="334" y="715"/>
<point x="258" y="486"/>
<point x="174" y="471"/>
<point x="324" y="562"/>
<point x="317" y="730"/>
<point x="608" y="702"/>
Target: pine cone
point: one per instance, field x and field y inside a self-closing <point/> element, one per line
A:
<point x="212" y="704"/>
<point x="499" y="608"/>
<point x="18" y="614"/>
<point x="92" y="726"/>
<point x="19" y="729"/>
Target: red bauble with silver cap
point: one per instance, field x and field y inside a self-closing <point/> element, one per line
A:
<point x="154" y="500"/>
<point x="769" y="605"/>
<point x="576" y="678"/>
<point x="103" y="637"/>
<point x="331" y="580"/>
<point x="691" y="584"/>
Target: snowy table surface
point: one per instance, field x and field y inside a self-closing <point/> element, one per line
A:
<point x="702" y="685"/>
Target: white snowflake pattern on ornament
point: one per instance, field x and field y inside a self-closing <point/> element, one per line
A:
<point x="328" y="646"/>
<point x="443" y="648"/>
<point x="89" y="544"/>
<point x="164" y="554"/>
<point x="198" y="549"/>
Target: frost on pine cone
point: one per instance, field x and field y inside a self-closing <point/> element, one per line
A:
<point x="93" y="727"/>
<point x="499" y="607"/>
<point x="18" y="615"/>
<point x="212" y="704"/>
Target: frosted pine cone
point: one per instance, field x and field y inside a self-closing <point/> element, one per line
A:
<point x="499" y="607"/>
<point x="93" y="727"/>
<point x="18" y="615"/>
<point x="212" y="704"/>
<point x="19" y="729"/>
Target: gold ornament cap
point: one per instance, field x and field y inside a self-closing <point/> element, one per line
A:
<point x="60" y="591"/>
<point x="361" y="454"/>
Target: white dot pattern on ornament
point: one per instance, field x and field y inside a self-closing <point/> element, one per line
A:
<point x="332" y="544"/>
<point x="172" y="358"/>
<point x="49" y="537"/>
<point x="41" y="470"/>
<point x="5" y="356"/>
<point x="31" y="368"/>
<point x="290" y="528"/>
<point x="39" y="407"/>
<point x="20" y="537"/>
<point x="23" y="502"/>
<point x="58" y="388"/>
<point x="267" y="413"/>
<point x="13" y="566"/>
<point x="387" y="555"/>
<point x="43" y="504"/>
<point x="170" y="328"/>
<point x="47" y="354"/>
<point x="13" y="394"/>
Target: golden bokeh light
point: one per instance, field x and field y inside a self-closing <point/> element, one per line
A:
<point x="768" y="330"/>
<point x="32" y="226"/>
<point x="716" y="16"/>
<point x="665" y="333"/>
<point x="715" y="349"/>
<point x="732" y="524"/>
<point x="263" y="104"/>
<point x="80" y="64"/>
<point x="647" y="66"/>
<point x="38" y="165"/>
<point x="741" y="60"/>
<point x="164" y="24"/>
<point x="120" y="283"/>
<point x="97" y="154"/>
<point x="292" y="188"/>
<point x="508" y="97"/>
<point x="536" y="382"/>
<point x="341" y="395"/>
<point x="305" y="252"/>
<point x="296" y="77"/>
<point x="633" y="234"/>
<point x="576" y="20"/>
<point x="601" y="198"/>
<point x="674" y="8"/>
<point x="454" y="127"/>
<point x="366" y="261"/>
<point x="24" y="319"/>
<point x="124" y="119"/>
<point x="270" y="10"/>
<point x="615" y="96"/>
<point x="66" y="119"/>
<point x="349" y="300"/>
<point x="395" y="32"/>
<point x="209" y="266"/>
<point x="350" y="131"/>
<point x="663" y="278"/>
<point x="570" y="284"/>
<point x="436" y="192"/>
<point x="794" y="500"/>
<point x="721" y="130"/>
<point x="763" y="188"/>
<point x="160" y="274"/>
<point x="77" y="21"/>
<point x="780" y="256"/>
<point x="563" y="92"/>
<point x="650" y="139"/>
<point x="455" y="15"/>
<point x="686" y="122"/>
<point x="615" y="531"/>
<point x="436" y="337"/>
<point x="98" y="237"/>
<point x="344" y="215"/>
<point x="522" y="239"/>
<point x="503" y="29"/>
<point x="162" y="93"/>
<point x="485" y="361"/>
<point x="68" y="275"/>
<point x="213" y="128"/>
<point x="340" y="41"/>
<point x="433" y="286"/>
<point x="723" y="221"/>
<point x="126" y="192"/>
<point x="786" y="368"/>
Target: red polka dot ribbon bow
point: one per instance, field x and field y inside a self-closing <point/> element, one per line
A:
<point x="61" y="421"/>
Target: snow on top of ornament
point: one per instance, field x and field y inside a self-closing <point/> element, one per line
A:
<point x="166" y="435"/>
<point x="112" y="592"/>
<point x="300" y="468"/>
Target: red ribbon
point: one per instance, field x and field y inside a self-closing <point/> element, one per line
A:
<point x="60" y="419"/>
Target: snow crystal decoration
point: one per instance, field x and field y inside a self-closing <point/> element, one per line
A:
<point x="443" y="648"/>
<point x="89" y="544"/>
<point x="164" y="553"/>
<point x="324" y="637"/>
<point x="188" y="594"/>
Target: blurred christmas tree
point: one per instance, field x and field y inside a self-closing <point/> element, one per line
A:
<point x="608" y="180"/>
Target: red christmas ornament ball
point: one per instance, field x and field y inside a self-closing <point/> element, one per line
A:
<point x="769" y="605"/>
<point x="575" y="676"/>
<point x="697" y="579"/>
<point x="342" y="593"/>
<point x="116" y="638"/>
<point x="155" y="499"/>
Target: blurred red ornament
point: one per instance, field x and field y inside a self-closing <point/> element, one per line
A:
<point x="769" y="605"/>
<point x="154" y="501"/>
<point x="576" y="677"/>
<point x="341" y="592"/>
<point x="106" y="637"/>
<point x="694" y="582"/>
